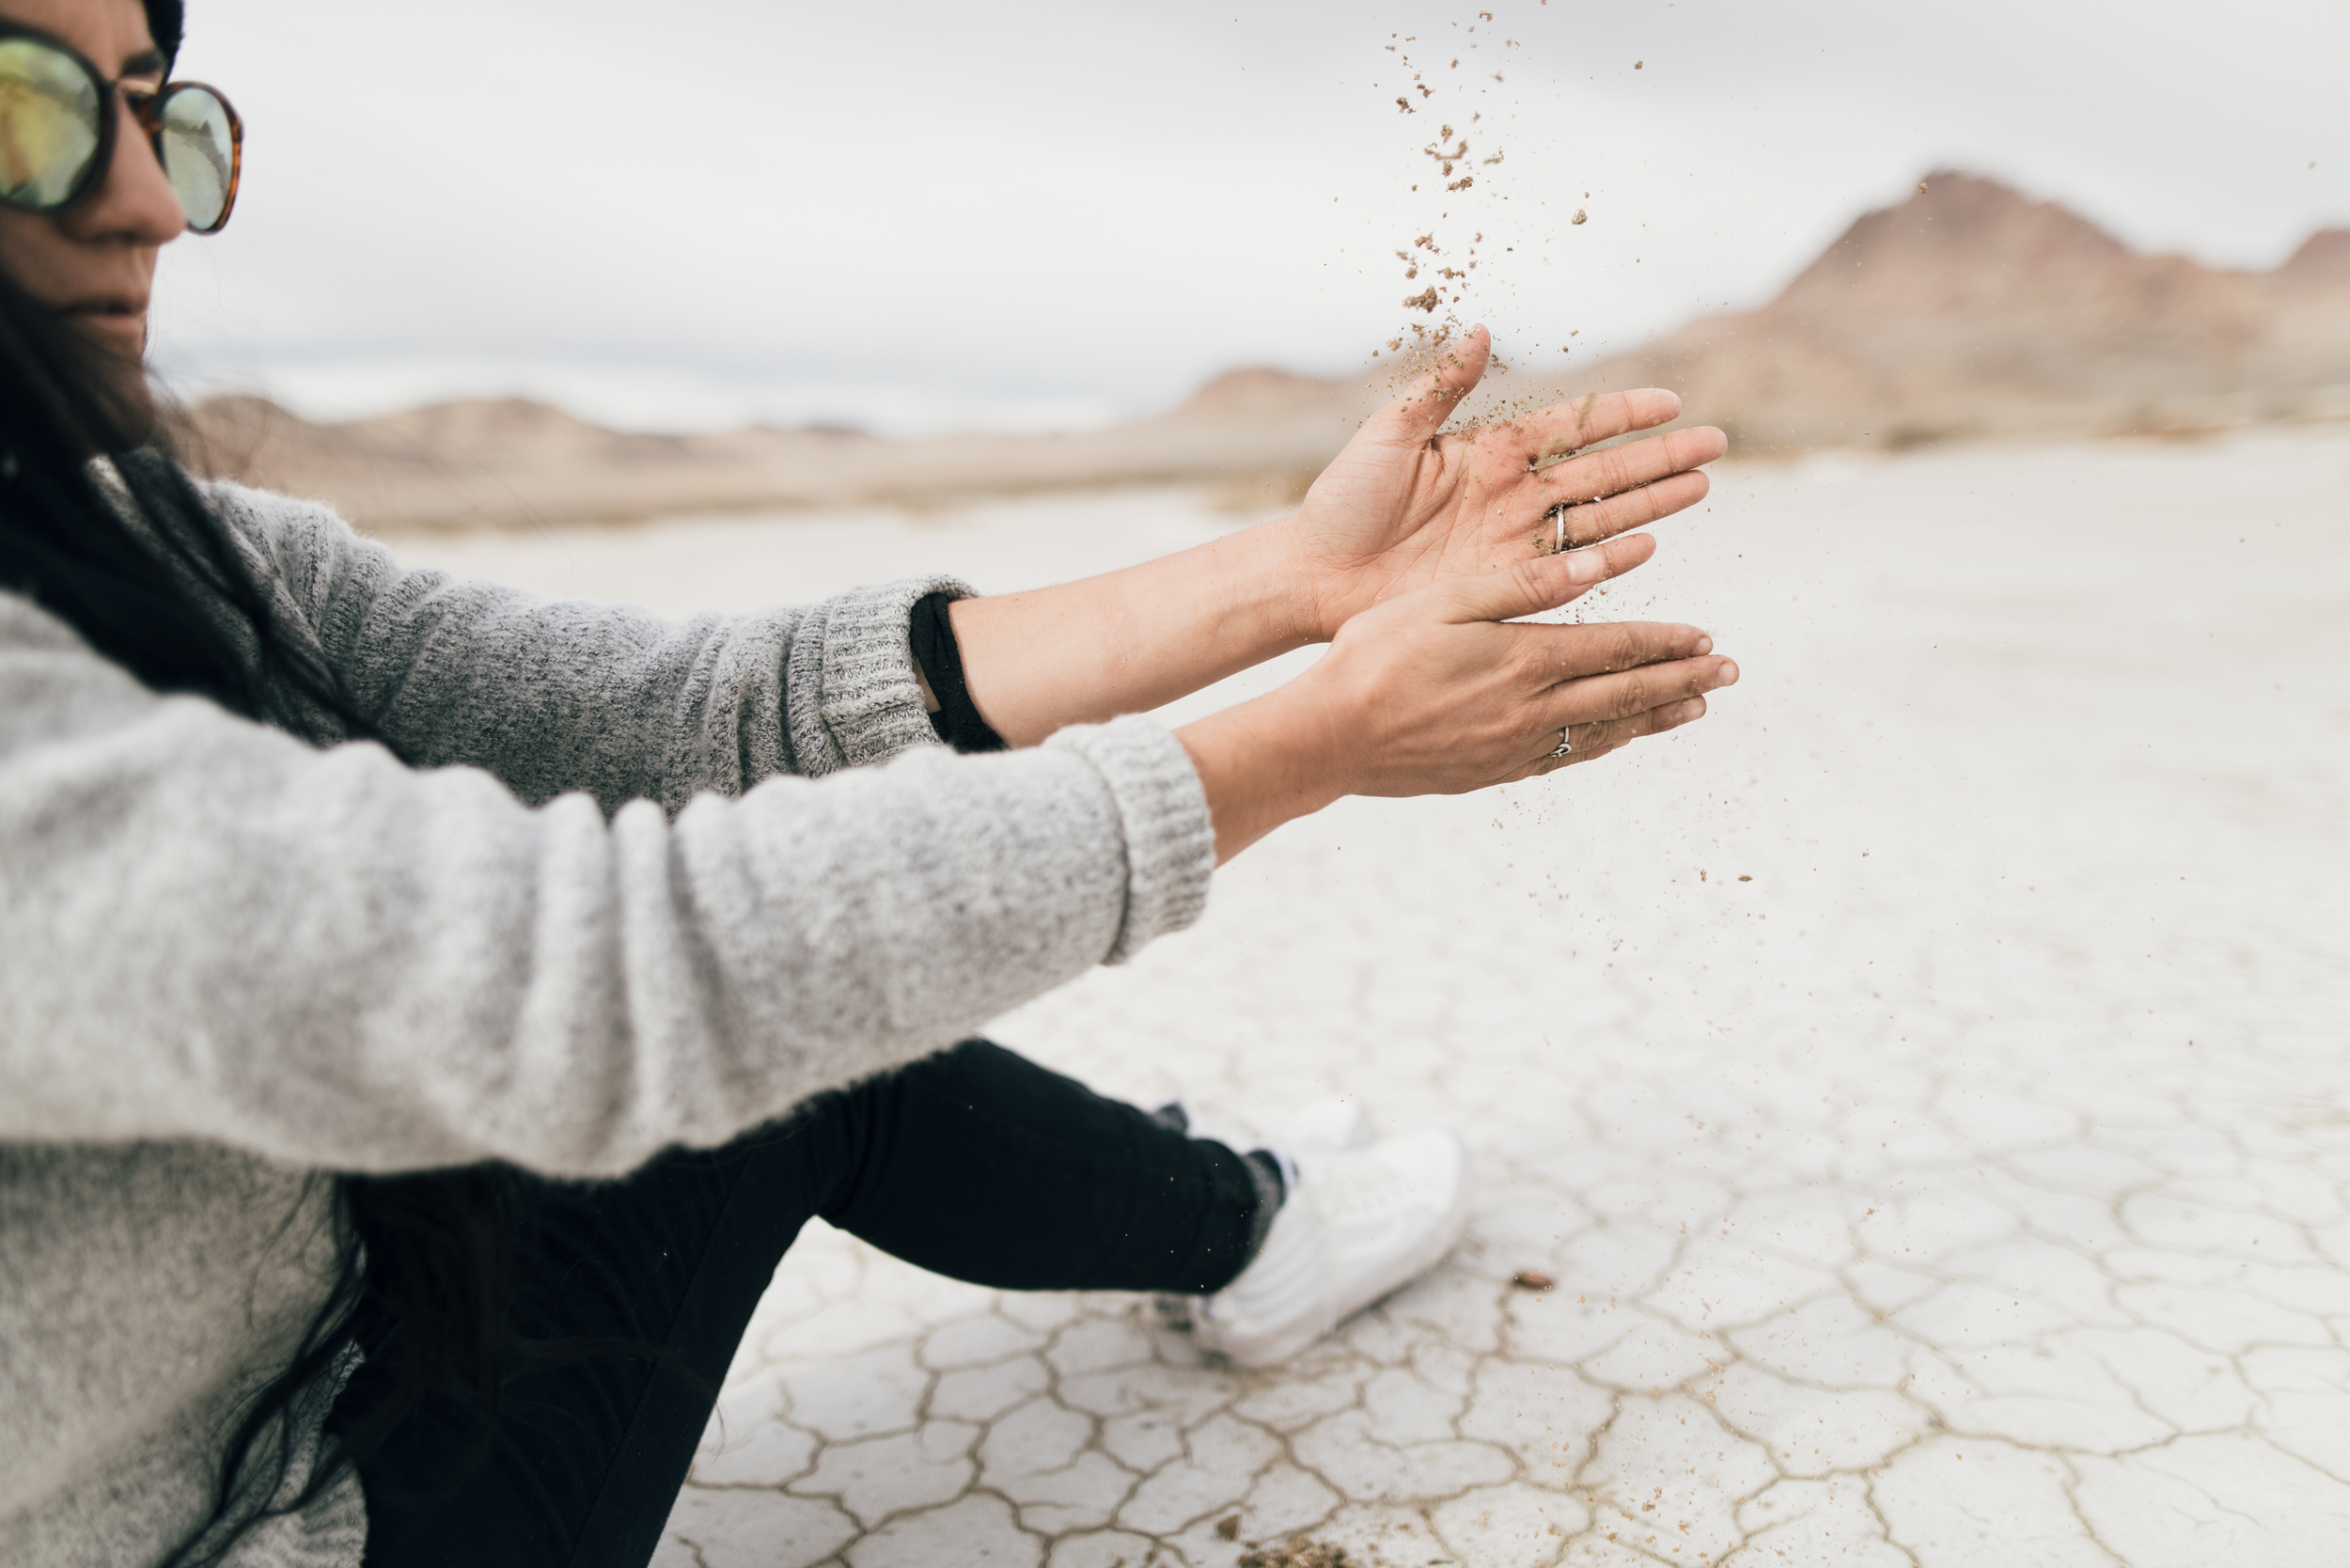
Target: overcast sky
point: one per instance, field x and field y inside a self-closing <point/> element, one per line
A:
<point x="1027" y="214"/>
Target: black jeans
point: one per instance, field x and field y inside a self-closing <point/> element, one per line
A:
<point x="975" y="1164"/>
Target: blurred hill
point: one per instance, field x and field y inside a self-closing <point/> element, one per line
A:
<point x="1259" y="435"/>
<point x="1970" y="311"/>
<point x="1967" y="311"/>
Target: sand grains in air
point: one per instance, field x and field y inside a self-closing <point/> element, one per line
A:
<point x="1476" y="117"/>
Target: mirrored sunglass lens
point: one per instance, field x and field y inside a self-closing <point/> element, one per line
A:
<point x="199" y="154"/>
<point x="48" y="124"/>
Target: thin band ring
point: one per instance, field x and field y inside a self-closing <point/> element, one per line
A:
<point x="1566" y="743"/>
<point x="1559" y="521"/>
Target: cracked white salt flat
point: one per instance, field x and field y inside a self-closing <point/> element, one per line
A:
<point x="1969" y="1187"/>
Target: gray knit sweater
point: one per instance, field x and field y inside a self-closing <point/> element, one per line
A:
<point x="652" y="883"/>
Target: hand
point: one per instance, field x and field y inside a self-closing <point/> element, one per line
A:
<point x="1437" y="692"/>
<point x="1403" y="506"/>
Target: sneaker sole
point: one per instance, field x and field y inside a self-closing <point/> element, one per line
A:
<point x="1243" y="1351"/>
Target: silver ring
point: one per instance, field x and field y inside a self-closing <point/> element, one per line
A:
<point x="1558" y="518"/>
<point x="1565" y="743"/>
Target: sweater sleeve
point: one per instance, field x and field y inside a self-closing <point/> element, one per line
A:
<point x="554" y="696"/>
<point x="209" y="929"/>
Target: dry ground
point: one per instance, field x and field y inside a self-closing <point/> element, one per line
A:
<point x="1970" y="1186"/>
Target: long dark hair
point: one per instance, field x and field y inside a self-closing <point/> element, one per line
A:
<point x="434" y="1255"/>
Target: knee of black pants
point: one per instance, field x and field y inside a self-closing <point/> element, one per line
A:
<point x="980" y="1164"/>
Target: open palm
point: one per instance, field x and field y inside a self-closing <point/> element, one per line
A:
<point x="1402" y="504"/>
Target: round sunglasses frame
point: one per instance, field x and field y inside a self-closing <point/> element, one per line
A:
<point x="148" y="109"/>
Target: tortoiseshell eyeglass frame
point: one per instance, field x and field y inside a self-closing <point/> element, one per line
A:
<point x="146" y="107"/>
<point x="149" y="110"/>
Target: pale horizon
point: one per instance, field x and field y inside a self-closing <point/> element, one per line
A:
<point x="1055" y="217"/>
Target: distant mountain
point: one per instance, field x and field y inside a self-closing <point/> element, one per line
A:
<point x="1256" y="436"/>
<point x="1970" y="311"/>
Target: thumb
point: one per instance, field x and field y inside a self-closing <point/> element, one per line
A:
<point x="1432" y="400"/>
<point x="1544" y="583"/>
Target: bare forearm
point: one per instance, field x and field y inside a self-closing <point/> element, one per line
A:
<point x="1130" y="640"/>
<point x="1260" y="765"/>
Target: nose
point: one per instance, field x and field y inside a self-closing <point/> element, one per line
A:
<point x="134" y="204"/>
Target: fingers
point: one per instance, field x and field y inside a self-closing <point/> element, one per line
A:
<point x="1616" y="469"/>
<point x="1570" y="427"/>
<point x="1565" y="653"/>
<point x="1432" y="400"/>
<point x="1604" y="519"/>
<point x="1627" y="693"/>
<point x="1596" y="740"/>
<point x="1532" y="587"/>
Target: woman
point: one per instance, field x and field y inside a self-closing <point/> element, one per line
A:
<point x="427" y="1013"/>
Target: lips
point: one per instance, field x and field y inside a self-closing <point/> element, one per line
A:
<point x="130" y="305"/>
<point x="117" y="319"/>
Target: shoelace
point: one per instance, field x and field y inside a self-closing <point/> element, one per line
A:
<point x="1348" y="1190"/>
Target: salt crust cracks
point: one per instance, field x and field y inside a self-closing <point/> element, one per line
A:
<point x="1895" y="1219"/>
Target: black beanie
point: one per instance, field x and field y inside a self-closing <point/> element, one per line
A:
<point x="165" y="21"/>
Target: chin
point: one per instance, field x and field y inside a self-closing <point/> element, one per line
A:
<point x="118" y="360"/>
<point x="123" y="334"/>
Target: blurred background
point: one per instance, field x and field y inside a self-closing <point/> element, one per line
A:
<point x="916" y="220"/>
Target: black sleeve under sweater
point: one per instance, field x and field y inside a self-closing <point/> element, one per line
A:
<point x="932" y="638"/>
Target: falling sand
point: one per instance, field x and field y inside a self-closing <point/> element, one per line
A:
<point x="1462" y="172"/>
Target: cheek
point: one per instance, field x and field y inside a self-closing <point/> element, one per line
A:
<point x="37" y="256"/>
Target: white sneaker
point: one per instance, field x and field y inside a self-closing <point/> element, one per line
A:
<point x="1360" y="1224"/>
<point x="1320" y="1127"/>
<point x="1324" y="1127"/>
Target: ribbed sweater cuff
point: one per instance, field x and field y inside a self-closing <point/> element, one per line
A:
<point x="1170" y="843"/>
<point x="871" y="708"/>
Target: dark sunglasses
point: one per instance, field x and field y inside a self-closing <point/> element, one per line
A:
<point x="57" y="132"/>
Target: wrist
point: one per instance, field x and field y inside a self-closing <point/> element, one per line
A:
<point x="1301" y="579"/>
<point x="1261" y="764"/>
<point x="1279" y="583"/>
